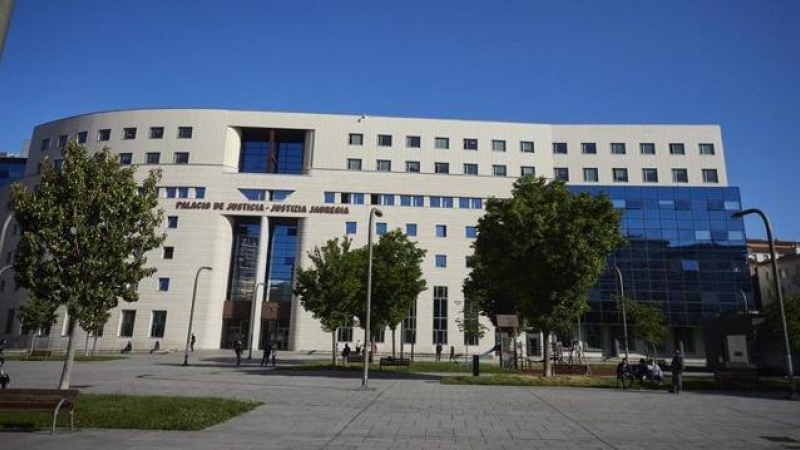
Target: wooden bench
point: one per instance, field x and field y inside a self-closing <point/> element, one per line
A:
<point x="355" y="358"/>
<point x="40" y="400"/>
<point x="735" y="375"/>
<point x="396" y="362"/>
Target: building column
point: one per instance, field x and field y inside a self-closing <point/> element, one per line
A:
<point x="261" y="283"/>
<point x="297" y="308"/>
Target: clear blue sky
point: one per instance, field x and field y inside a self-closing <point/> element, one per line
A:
<point x="733" y="63"/>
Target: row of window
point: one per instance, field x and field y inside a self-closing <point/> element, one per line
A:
<point x="126" y="159"/>
<point x="499" y="145"/>
<point x="417" y="201"/>
<point x="127" y="321"/>
<point x="181" y="192"/>
<point x="440" y="230"/>
<point x="649" y="175"/>
<point x="105" y="135"/>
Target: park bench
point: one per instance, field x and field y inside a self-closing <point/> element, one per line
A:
<point x="357" y="358"/>
<point x="40" y="400"/>
<point x="721" y="376"/>
<point x="41" y="354"/>
<point x="394" y="362"/>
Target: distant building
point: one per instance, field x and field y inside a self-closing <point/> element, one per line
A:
<point x="12" y="168"/>
<point x="761" y="270"/>
<point x="789" y="273"/>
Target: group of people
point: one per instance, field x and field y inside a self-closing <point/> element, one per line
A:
<point x="346" y="350"/>
<point x="651" y="371"/>
<point x="270" y="353"/>
<point x="439" y="352"/>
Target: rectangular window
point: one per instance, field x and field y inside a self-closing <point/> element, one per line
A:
<point x="82" y="137"/>
<point x="412" y="166"/>
<point x="171" y="192"/>
<point x="183" y="192"/>
<point x="441" y="143"/>
<point x="589" y="148"/>
<point x="410" y="326"/>
<point x="353" y="164"/>
<point x="383" y="165"/>
<point x="152" y="158"/>
<point x="470" y="317"/>
<point x="706" y="149"/>
<point x="185" y="132"/>
<point x="163" y="284"/>
<point x="384" y="140"/>
<point x="351" y="227"/>
<point x="172" y="221"/>
<point x="650" y="175"/>
<point x="470" y="231"/>
<point x="470" y="169"/>
<point x="676" y="149"/>
<point x="527" y="170"/>
<point x="329" y="197"/>
<point x="559" y="148"/>
<point x="104" y="134"/>
<point x="45" y="145"/>
<point x="561" y="173"/>
<point x="469" y="262"/>
<point x="169" y="252"/>
<point x="526" y="146"/>
<point x="618" y="148"/>
<point x="62" y="141"/>
<point x="441" y="260"/>
<point x="647" y="148"/>
<point x="413" y="142"/>
<point x="129" y="133"/>
<point x="440" y="315"/>
<point x="345" y="332"/>
<point x="380" y="228"/>
<point x="619" y="175"/>
<point x="710" y="176"/>
<point x="441" y="167"/>
<point x="127" y="320"/>
<point x="441" y="231"/>
<point x="680" y="176"/>
<point x="470" y="144"/>
<point x="498" y="170"/>
<point x="590" y="174"/>
<point x="411" y="229"/>
<point x="498" y="145"/>
<point x="200" y="192"/>
<point x="159" y="324"/>
<point x="181" y="157"/>
<point x="156" y="132"/>
<point x="355" y="139"/>
<point x="125" y="159"/>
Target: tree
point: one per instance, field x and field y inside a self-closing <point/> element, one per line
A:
<point x="540" y="252"/>
<point x="330" y="286"/>
<point x="37" y="315"/>
<point x="650" y="324"/>
<point x="84" y="229"/>
<point x="772" y="313"/>
<point x="470" y="323"/>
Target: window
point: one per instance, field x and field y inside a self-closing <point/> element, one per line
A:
<point x="470" y="144"/>
<point x="152" y="158"/>
<point x="185" y="132"/>
<point x="441" y="143"/>
<point x="680" y="176"/>
<point x="127" y="320"/>
<point x="129" y="133"/>
<point x="527" y="170"/>
<point x="172" y="221"/>
<point x="561" y="173"/>
<point x="353" y="164"/>
<point x="410" y="326"/>
<point x="676" y="149"/>
<point x="706" y="149"/>
<point x="413" y="141"/>
<point x="355" y="139"/>
<point x="411" y="229"/>
<point x="125" y="159"/>
<point x="45" y="145"/>
<point x="169" y="252"/>
<point x="590" y="174"/>
<point x="381" y="199"/>
<point x="181" y="158"/>
<point x="380" y="228"/>
<point x="650" y="175"/>
<point x="163" y="284"/>
<point x="82" y="137"/>
<point x="441" y="260"/>
<point x="351" y="227"/>
<point x="560" y="148"/>
<point x="647" y="148"/>
<point x="183" y="192"/>
<point x="384" y="140"/>
<point x="441" y="231"/>
<point x="618" y="148"/>
<point x="104" y="134"/>
<point x="329" y="197"/>
<point x="440" y="315"/>
<point x="589" y="148"/>
<point x="470" y="169"/>
<point x="690" y="265"/>
<point x="62" y="141"/>
<point x="710" y="176"/>
<point x="498" y="145"/>
<point x="498" y="170"/>
<point x="526" y="146"/>
<point x="441" y="167"/>
<point x="345" y="332"/>
<point x="158" y="325"/>
<point x="411" y="200"/>
<point x="470" y="317"/>
<point x="156" y="132"/>
<point x="253" y="195"/>
<point x="412" y="166"/>
<point x="619" y="175"/>
<point x="383" y="165"/>
<point x="200" y="192"/>
<point x="470" y="231"/>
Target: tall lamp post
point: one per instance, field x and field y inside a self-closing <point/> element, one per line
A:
<point x="777" y="285"/>
<point x="252" y="321"/>
<point x="622" y="302"/>
<point x="372" y="213"/>
<point x="191" y="316"/>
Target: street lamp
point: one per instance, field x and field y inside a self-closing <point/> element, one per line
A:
<point x="191" y="316"/>
<point x="252" y="321"/>
<point x="777" y="283"/>
<point x="372" y="213"/>
<point x="622" y="302"/>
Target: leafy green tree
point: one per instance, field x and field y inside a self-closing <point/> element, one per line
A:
<point x="772" y="313"/>
<point x="540" y="252"/>
<point x="649" y="323"/>
<point x="329" y="287"/>
<point x="469" y="323"/>
<point x="83" y="229"/>
<point x="35" y="315"/>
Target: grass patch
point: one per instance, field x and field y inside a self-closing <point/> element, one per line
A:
<point x="62" y="357"/>
<point x="137" y="412"/>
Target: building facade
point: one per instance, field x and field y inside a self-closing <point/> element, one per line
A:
<point x="250" y="193"/>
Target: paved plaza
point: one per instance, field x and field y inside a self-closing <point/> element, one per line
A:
<point x="311" y="410"/>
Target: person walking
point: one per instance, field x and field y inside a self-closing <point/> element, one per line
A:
<point x="623" y="372"/>
<point x="345" y="353"/>
<point x="453" y="353"/>
<point x="237" y="348"/>
<point x="438" y="351"/>
<point x="191" y="342"/>
<point x="676" y="367"/>
<point x="274" y="352"/>
<point x="266" y="350"/>
<point x="4" y="378"/>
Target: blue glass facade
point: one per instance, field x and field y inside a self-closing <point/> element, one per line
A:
<point x="266" y="150"/>
<point x="281" y="259"/>
<point x="11" y="170"/>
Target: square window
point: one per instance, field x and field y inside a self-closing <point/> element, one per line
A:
<point x="169" y="252"/>
<point x="561" y="173"/>
<point x="525" y="171"/>
<point x="383" y="165"/>
<point x="104" y="134"/>
<point x="647" y="148"/>
<point x="441" y="167"/>
<point x="470" y="144"/>
<point x="181" y="157"/>
<point x="329" y="197"/>
<point x="200" y="192"/>
<point x="436" y="202"/>
<point x="411" y="229"/>
<point x="498" y="170"/>
<point x="559" y="148"/>
<point x="618" y="148"/>
<point x="380" y="228"/>
<point x="129" y="133"/>
<point x="619" y="175"/>
<point x="163" y="284"/>
<point x="62" y="141"/>
<point x="82" y="137"/>
<point x="159" y="324"/>
<point x="355" y="139"/>
<point x="413" y="141"/>
<point x="441" y="260"/>
<point x="171" y="192"/>
<point x="680" y="176"/>
<point x="590" y="174"/>
<point x="498" y="145"/>
<point x="650" y="175"/>
<point x="441" y="231"/>
<point x="676" y="149"/>
<point x="172" y="221"/>
<point x="384" y="140"/>
<point x="353" y="164"/>
<point x="447" y="202"/>
<point x="45" y="145"/>
<point x="185" y="132"/>
<point x="125" y="159"/>
<point x="441" y="143"/>
<point x="706" y="149"/>
<point x="589" y="148"/>
<point x="470" y="169"/>
<point x="710" y="176"/>
<point x="412" y="166"/>
<point x="351" y="227"/>
<point x="183" y="192"/>
<point x="156" y="132"/>
<point x="152" y="158"/>
<point x="526" y="146"/>
<point x="470" y="232"/>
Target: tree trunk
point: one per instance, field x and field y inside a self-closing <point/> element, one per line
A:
<point x="393" y="333"/>
<point x="86" y="346"/>
<point x="94" y="342"/>
<point x="547" y="368"/>
<point x="66" y="373"/>
<point x="33" y="343"/>
<point x="333" y="346"/>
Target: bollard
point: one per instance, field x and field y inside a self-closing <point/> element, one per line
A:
<point x="476" y="359"/>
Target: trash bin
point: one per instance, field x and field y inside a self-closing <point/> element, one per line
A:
<point x="476" y="367"/>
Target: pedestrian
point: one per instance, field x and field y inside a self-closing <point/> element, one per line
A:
<point x="676" y="367"/>
<point x="358" y="347"/>
<point x="191" y="342"/>
<point x="642" y="372"/>
<point x="4" y="378"/>
<point x="623" y="371"/>
<point x="238" y="346"/>
<point x="345" y="353"/>
<point x="438" y="351"/>
<point x="266" y="350"/>
<point x="453" y="353"/>
<point x="274" y="353"/>
<point x="656" y="375"/>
